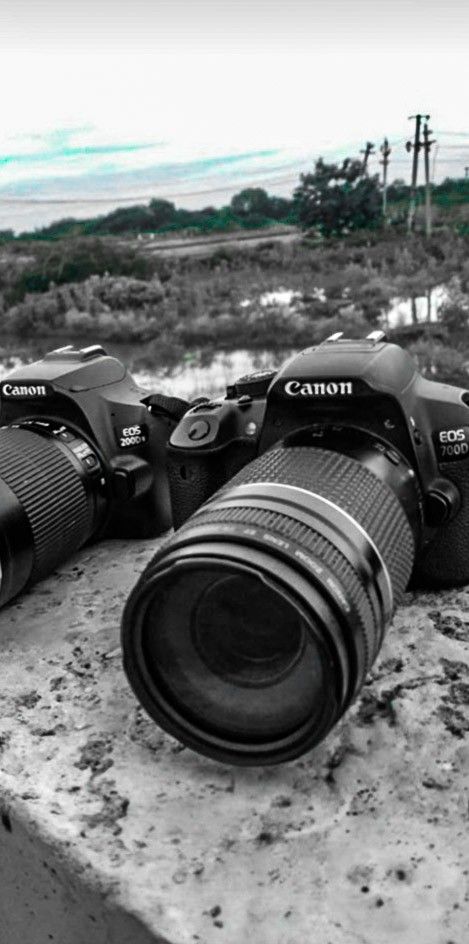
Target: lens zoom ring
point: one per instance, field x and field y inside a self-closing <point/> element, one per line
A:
<point x="323" y="550"/>
<point x="351" y="486"/>
<point x="51" y="492"/>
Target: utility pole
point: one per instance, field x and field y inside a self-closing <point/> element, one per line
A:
<point x="466" y="172"/>
<point x="415" y="146"/>
<point x="385" y="151"/>
<point x="428" y="194"/>
<point x="366" y="153"/>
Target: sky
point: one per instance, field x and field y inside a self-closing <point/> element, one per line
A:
<point x="112" y="102"/>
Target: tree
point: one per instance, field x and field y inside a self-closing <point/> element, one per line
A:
<point x="398" y="190"/>
<point x="336" y="199"/>
<point x="163" y="212"/>
<point x="254" y="201"/>
<point x="280" y="208"/>
<point x="134" y="219"/>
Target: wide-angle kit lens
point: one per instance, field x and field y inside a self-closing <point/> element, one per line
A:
<point x="50" y="500"/>
<point x="252" y="630"/>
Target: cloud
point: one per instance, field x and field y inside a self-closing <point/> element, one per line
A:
<point x="64" y="152"/>
<point x="118" y="176"/>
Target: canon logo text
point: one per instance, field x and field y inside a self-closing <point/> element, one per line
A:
<point x="329" y="388"/>
<point x="8" y="390"/>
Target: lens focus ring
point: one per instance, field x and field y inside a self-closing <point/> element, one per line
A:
<point x="51" y="492"/>
<point x="365" y="505"/>
<point x="352" y="487"/>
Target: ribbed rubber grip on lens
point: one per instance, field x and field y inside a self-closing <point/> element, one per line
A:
<point x="51" y="492"/>
<point x="352" y="488"/>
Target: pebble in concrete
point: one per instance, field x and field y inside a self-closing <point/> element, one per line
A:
<point x="111" y="832"/>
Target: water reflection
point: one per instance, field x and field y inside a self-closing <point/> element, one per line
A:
<point x="180" y="373"/>
<point x="416" y="310"/>
<point x="198" y="375"/>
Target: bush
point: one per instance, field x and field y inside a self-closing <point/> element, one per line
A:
<point x="75" y="260"/>
<point x="440" y="362"/>
<point x="95" y="304"/>
<point x="78" y="322"/>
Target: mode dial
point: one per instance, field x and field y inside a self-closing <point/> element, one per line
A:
<point x="253" y="385"/>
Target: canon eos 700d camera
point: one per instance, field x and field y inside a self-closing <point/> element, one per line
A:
<point x="253" y="629"/>
<point x="82" y="455"/>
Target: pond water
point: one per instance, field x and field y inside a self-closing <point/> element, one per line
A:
<point x="423" y="308"/>
<point x="402" y="312"/>
<point x="186" y="374"/>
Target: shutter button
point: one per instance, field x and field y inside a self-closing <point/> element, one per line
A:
<point x="199" y="430"/>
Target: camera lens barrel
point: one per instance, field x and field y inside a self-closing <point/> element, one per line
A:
<point x="48" y="502"/>
<point x="253" y="629"/>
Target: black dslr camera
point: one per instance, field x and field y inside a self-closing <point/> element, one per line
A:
<point x="253" y="629"/>
<point x="82" y="456"/>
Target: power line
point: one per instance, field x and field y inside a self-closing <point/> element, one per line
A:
<point x="73" y="201"/>
<point x="445" y="160"/>
<point x="454" y="134"/>
<point x="64" y="201"/>
<point x="242" y="184"/>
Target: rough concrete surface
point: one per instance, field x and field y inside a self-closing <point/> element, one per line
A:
<point x="111" y="832"/>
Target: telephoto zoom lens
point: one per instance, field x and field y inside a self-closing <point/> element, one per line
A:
<point x="51" y="500"/>
<point x="252" y="630"/>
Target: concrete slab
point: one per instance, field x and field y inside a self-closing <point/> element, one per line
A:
<point x="110" y="832"/>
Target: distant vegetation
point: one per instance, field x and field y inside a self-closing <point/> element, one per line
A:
<point x="350" y="200"/>
<point x="251" y="209"/>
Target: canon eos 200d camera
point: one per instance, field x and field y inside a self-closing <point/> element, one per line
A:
<point x="82" y="455"/>
<point x="253" y="629"/>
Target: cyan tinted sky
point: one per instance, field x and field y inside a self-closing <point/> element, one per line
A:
<point x="131" y="88"/>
